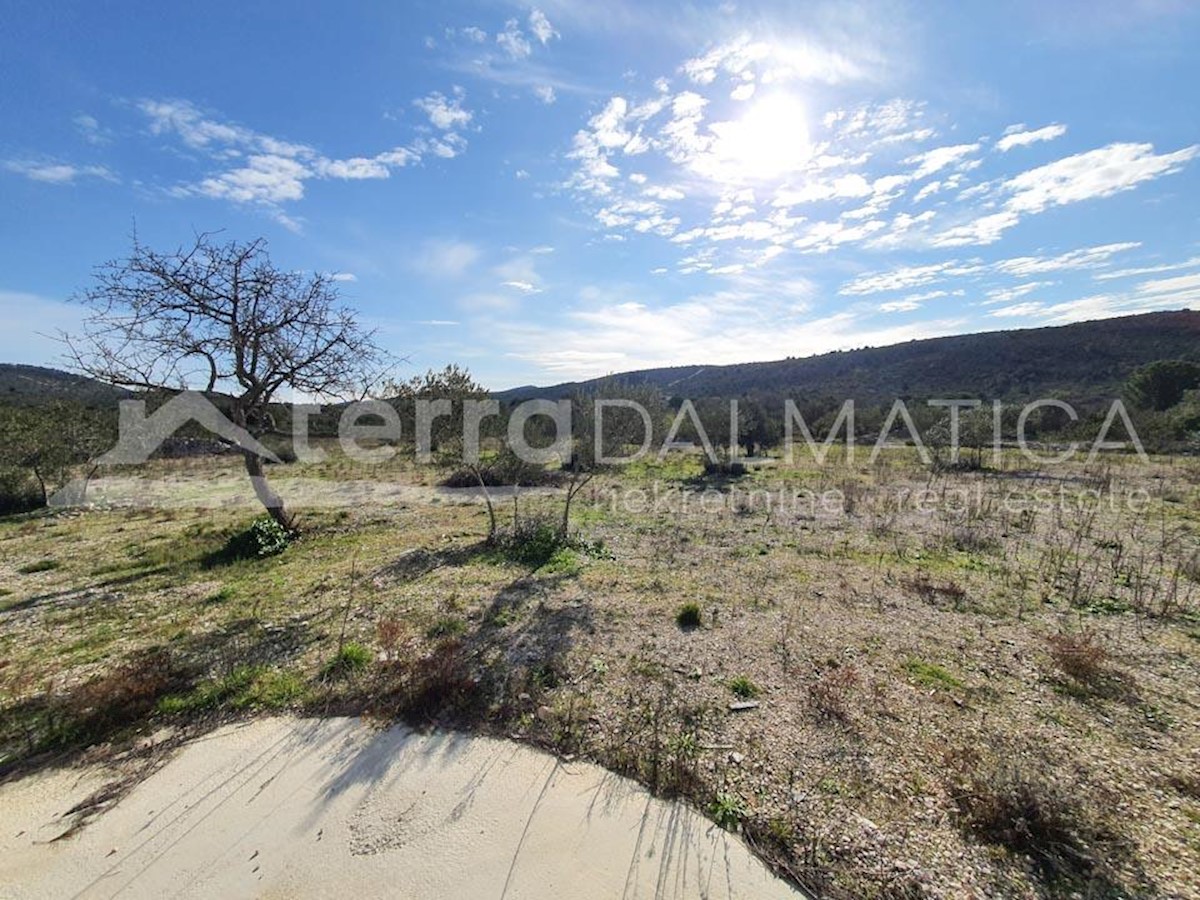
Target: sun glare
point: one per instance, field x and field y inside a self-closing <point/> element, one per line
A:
<point x="769" y="140"/>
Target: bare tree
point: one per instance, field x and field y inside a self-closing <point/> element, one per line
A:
<point x="221" y="315"/>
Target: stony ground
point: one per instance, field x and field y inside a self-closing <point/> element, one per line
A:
<point x="902" y="684"/>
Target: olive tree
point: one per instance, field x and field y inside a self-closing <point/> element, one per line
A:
<point x="220" y="315"/>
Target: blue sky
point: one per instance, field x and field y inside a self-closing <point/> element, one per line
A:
<point x="564" y="190"/>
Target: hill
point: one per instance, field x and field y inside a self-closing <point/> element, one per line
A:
<point x="30" y="385"/>
<point x="1083" y="362"/>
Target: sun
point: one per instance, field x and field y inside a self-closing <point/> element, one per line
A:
<point x="769" y="140"/>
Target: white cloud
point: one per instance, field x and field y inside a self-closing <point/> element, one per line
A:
<point x="525" y="287"/>
<point x="445" y="112"/>
<point x="909" y="277"/>
<point x="1083" y="258"/>
<point x="271" y="172"/>
<point x="56" y="173"/>
<point x="265" y="179"/>
<point x="1022" y="138"/>
<point x="474" y="34"/>
<point x="1007" y="295"/>
<point x="545" y="93"/>
<point x="513" y="41"/>
<point x="541" y="27"/>
<point x="935" y="160"/>
<point x="1017" y="267"/>
<point x="775" y="61"/>
<point x="446" y="259"/>
<point x="1181" y="283"/>
<point x="752" y="320"/>
<point x="1148" y="270"/>
<point x="911" y="302"/>
<point x="1073" y="179"/>
<point x="91" y="129"/>
<point x="1091" y="175"/>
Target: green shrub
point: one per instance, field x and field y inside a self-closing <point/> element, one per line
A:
<point x="533" y="543"/>
<point x="265" y="537"/>
<point x="688" y="616"/>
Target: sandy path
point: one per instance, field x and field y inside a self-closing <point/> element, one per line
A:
<point x="331" y="808"/>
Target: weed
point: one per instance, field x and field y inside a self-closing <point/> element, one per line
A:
<point x="744" y="688"/>
<point x="440" y="682"/>
<point x="727" y="810"/>
<point x="42" y="565"/>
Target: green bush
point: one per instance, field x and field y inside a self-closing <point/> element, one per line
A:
<point x="688" y="616"/>
<point x="265" y="537"/>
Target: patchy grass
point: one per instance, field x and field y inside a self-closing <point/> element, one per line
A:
<point x="931" y="675"/>
<point x="743" y="688"/>
<point x="246" y="687"/>
<point x="42" y="565"/>
<point x="350" y="660"/>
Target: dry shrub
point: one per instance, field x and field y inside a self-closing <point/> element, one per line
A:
<point x="115" y="699"/>
<point x="1079" y="656"/>
<point x="968" y="539"/>
<point x="441" y="683"/>
<point x="1016" y="798"/>
<point x="392" y="633"/>
<point x="934" y="593"/>
<point x="831" y="693"/>
<point x="1191" y="568"/>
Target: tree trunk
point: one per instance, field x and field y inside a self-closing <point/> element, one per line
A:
<point x="41" y="485"/>
<point x="576" y="485"/>
<point x="487" y="498"/>
<point x="266" y="495"/>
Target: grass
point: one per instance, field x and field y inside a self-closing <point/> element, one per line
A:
<point x="42" y="565"/>
<point x="743" y="688"/>
<point x="447" y="626"/>
<point x="246" y="687"/>
<point x="931" y="675"/>
<point x="351" y="659"/>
